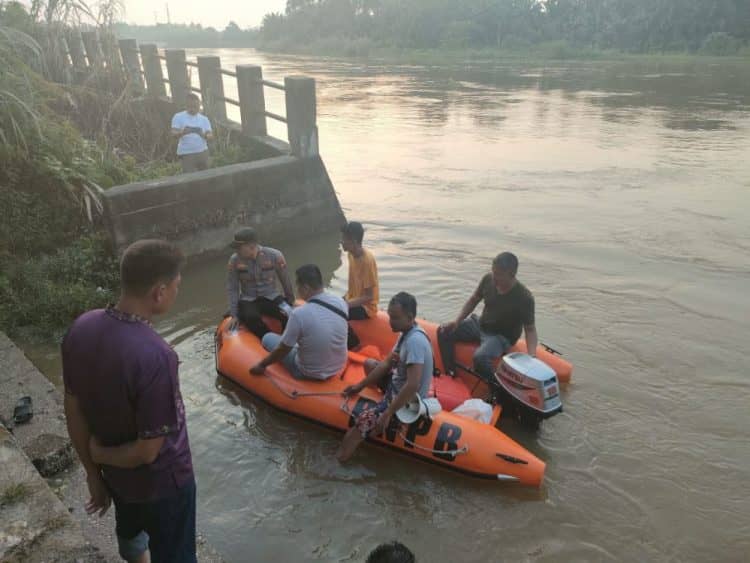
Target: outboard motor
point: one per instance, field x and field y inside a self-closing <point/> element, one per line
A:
<point x="529" y="390"/>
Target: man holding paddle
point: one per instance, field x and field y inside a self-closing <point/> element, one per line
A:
<point x="508" y="309"/>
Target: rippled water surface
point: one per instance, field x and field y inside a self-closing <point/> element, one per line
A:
<point x="623" y="188"/>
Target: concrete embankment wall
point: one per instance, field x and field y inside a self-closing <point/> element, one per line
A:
<point x="284" y="198"/>
<point x="35" y="525"/>
<point x="42" y="485"/>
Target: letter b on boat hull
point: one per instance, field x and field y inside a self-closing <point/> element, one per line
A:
<point x="447" y="441"/>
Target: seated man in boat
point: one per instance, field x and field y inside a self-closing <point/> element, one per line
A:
<point x="410" y="370"/>
<point x="508" y="308"/>
<point x="251" y="283"/>
<point x="313" y="345"/>
<point x="363" y="292"/>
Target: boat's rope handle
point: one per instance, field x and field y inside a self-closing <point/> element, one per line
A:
<point x="461" y="450"/>
<point x="294" y="394"/>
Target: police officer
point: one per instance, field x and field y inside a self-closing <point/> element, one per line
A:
<point x="251" y="283"/>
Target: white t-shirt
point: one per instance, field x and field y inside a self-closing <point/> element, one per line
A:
<point x="191" y="143"/>
<point x="321" y="336"/>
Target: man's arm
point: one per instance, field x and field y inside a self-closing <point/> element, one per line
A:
<point x="283" y="274"/>
<point x="276" y="356"/>
<point x="378" y="372"/>
<point x="129" y="455"/>
<point x="233" y="289"/>
<point x="178" y="128"/>
<point x="78" y="431"/>
<point x="531" y="339"/>
<point x="410" y="388"/>
<point x="529" y="326"/>
<point x="470" y="304"/>
<point x="366" y="297"/>
<point x="467" y="309"/>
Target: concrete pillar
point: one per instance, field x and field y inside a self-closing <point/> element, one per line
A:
<point x="111" y="54"/>
<point x="251" y="98"/>
<point x="301" y="116"/>
<point x="132" y="63"/>
<point x="75" y="48"/>
<point x="179" y="81"/>
<point x="63" y="64"/>
<point x="93" y="48"/>
<point x="212" y="87"/>
<point x="152" y="70"/>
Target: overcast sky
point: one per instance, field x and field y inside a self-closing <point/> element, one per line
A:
<point x="216" y="13"/>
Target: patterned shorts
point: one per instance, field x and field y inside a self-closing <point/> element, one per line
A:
<point x="369" y="417"/>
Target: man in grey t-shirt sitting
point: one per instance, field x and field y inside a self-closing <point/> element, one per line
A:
<point x="410" y="366"/>
<point x="313" y="345"/>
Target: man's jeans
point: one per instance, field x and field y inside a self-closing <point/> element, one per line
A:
<point x="194" y="162"/>
<point x="271" y="341"/>
<point x="491" y="346"/>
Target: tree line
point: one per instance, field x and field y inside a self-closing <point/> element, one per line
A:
<point x="638" y="26"/>
<point x="188" y="35"/>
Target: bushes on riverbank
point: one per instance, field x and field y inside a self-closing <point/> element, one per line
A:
<point x="42" y="294"/>
<point x="623" y="26"/>
<point x="58" y="145"/>
<point x="53" y="262"/>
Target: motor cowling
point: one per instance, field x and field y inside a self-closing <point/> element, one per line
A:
<point x="529" y="388"/>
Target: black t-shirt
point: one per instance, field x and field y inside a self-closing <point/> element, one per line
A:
<point x="505" y="314"/>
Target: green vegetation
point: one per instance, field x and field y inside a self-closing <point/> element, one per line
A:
<point x="13" y="494"/>
<point x="61" y="140"/>
<point x="537" y="28"/>
<point x="188" y="35"/>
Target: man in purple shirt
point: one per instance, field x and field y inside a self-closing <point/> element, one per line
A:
<point x="125" y="414"/>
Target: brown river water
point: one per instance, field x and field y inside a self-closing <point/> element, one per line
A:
<point x="623" y="189"/>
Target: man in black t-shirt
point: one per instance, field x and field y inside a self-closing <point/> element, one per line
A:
<point x="508" y="308"/>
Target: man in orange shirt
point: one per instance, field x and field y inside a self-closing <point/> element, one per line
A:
<point x="363" y="293"/>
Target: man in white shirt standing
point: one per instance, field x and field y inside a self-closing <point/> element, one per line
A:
<point x="193" y="129"/>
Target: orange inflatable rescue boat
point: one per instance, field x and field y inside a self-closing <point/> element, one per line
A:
<point x="444" y="438"/>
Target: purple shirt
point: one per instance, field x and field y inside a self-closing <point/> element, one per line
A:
<point x="124" y="376"/>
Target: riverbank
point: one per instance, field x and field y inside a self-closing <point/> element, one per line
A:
<point x="364" y="49"/>
<point x="42" y="485"/>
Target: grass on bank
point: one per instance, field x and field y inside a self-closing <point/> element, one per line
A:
<point x="14" y="494"/>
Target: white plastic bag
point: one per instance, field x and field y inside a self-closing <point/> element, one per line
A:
<point x="476" y="409"/>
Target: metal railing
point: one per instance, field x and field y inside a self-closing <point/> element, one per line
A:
<point x="148" y="70"/>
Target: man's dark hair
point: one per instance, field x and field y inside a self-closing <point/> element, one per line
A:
<point x="393" y="552"/>
<point x="507" y="262"/>
<point x="407" y="302"/>
<point x="309" y="275"/>
<point x="192" y="96"/>
<point x="354" y="230"/>
<point x="148" y="262"/>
